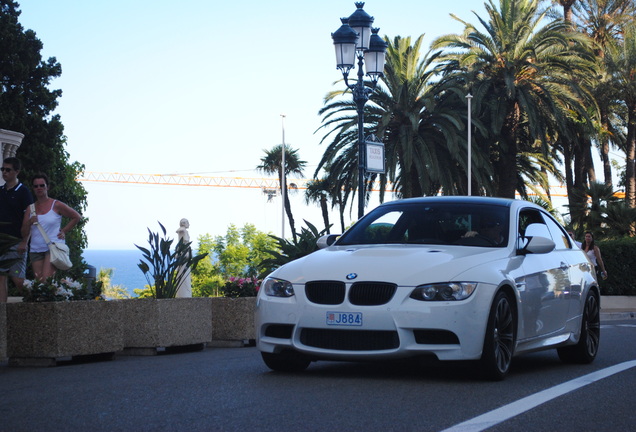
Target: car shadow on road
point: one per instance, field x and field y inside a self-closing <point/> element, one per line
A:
<point x="428" y="369"/>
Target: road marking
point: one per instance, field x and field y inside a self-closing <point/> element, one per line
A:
<point x="513" y="409"/>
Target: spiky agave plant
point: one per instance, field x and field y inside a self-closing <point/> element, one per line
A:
<point x="165" y="269"/>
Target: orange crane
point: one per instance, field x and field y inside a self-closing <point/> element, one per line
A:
<point x="269" y="186"/>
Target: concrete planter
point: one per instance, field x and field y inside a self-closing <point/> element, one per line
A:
<point x="150" y="324"/>
<point x="233" y="320"/>
<point x="40" y="333"/>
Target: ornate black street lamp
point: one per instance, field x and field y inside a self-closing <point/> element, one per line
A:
<point x="356" y="39"/>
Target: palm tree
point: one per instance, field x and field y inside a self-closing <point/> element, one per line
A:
<point x="318" y="192"/>
<point x="602" y="21"/>
<point x="524" y="74"/>
<point x="271" y="163"/>
<point x="622" y="64"/>
<point x="422" y="136"/>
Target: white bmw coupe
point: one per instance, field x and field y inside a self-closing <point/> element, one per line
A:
<point x="460" y="278"/>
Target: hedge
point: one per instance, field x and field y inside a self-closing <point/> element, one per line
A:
<point x="619" y="257"/>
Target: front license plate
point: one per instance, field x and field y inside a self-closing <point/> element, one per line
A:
<point x="344" y="318"/>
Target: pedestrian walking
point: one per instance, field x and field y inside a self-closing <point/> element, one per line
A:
<point x="594" y="254"/>
<point x="14" y="200"/>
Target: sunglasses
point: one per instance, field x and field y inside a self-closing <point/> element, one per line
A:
<point x="3" y="169"/>
<point x="35" y="186"/>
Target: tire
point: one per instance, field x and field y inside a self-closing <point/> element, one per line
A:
<point x="499" y="341"/>
<point x="586" y="349"/>
<point x="286" y="361"/>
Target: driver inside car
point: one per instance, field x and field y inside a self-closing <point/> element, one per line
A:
<point x="490" y="229"/>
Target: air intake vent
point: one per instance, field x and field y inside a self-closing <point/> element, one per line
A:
<point x="350" y="340"/>
<point x="371" y="293"/>
<point x="325" y="292"/>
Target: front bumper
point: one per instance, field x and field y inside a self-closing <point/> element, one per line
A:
<point x="403" y="327"/>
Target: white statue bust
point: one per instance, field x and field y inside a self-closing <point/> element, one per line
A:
<point x="183" y="230"/>
<point x="185" y="289"/>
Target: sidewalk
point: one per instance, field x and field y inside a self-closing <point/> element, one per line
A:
<point x="618" y="307"/>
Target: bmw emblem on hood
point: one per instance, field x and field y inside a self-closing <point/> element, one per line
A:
<point x="352" y="276"/>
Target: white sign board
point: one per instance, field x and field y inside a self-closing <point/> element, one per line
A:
<point x="375" y="157"/>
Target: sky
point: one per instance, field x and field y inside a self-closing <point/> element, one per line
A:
<point x="197" y="87"/>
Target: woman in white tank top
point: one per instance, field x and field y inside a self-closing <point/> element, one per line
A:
<point x="594" y="254"/>
<point x="48" y="214"/>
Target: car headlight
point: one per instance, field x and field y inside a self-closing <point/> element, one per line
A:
<point x="277" y="287"/>
<point x="444" y="291"/>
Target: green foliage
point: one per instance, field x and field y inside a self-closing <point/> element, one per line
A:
<point x="619" y="257"/>
<point x="146" y="292"/>
<point x="110" y="291"/>
<point x="240" y="251"/>
<point x="164" y="269"/>
<point x="290" y="250"/>
<point x="241" y="287"/>
<point x="205" y="281"/>
<point x="208" y="285"/>
<point x="26" y="106"/>
<point x="60" y="289"/>
<point x="603" y="214"/>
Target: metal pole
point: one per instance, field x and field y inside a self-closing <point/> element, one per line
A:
<point x="470" y="145"/>
<point x="283" y="183"/>
<point x="360" y="98"/>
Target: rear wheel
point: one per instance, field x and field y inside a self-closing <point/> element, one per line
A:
<point x="499" y="341"/>
<point x="286" y="361"/>
<point x="586" y="349"/>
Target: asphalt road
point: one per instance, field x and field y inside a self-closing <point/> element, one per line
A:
<point x="232" y="390"/>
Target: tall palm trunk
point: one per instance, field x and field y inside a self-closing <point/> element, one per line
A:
<point x="630" y="153"/>
<point x="607" y="166"/>
<point x="290" y="217"/>
<point x="506" y="166"/>
<point x="325" y="213"/>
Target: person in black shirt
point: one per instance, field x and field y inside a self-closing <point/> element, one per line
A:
<point x="14" y="200"/>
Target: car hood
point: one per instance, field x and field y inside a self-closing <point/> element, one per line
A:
<point x="405" y="265"/>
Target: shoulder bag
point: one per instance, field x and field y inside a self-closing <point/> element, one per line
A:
<point x="59" y="251"/>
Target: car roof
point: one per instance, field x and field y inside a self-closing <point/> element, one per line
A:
<point x="506" y="202"/>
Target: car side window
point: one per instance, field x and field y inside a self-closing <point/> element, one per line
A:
<point x="559" y="236"/>
<point x="528" y="217"/>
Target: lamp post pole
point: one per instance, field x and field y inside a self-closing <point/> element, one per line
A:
<point x="356" y="40"/>
<point x="360" y="98"/>
<point x="469" y="97"/>
<point x="283" y="183"/>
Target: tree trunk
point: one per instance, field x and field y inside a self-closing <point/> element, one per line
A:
<point x="292" y="225"/>
<point x="607" y="166"/>
<point x="325" y="213"/>
<point x="589" y="162"/>
<point x="506" y="166"/>
<point x="630" y="153"/>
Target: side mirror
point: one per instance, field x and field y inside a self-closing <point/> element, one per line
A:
<point x="326" y="240"/>
<point x="535" y="245"/>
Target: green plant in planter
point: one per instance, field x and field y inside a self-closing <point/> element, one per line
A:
<point x="166" y="269"/>
<point x="304" y="244"/>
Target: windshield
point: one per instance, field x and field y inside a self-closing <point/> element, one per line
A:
<point x="432" y="223"/>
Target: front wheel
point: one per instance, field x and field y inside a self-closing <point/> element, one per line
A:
<point x="586" y="349"/>
<point x="499" y="342"/>
<point x="286" y="361"/>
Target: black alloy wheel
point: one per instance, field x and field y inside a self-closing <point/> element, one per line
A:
<point x="586" y="349"/>
<point x="499" y="341"/>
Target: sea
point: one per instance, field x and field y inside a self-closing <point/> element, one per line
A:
<point x="124" y="264"/>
